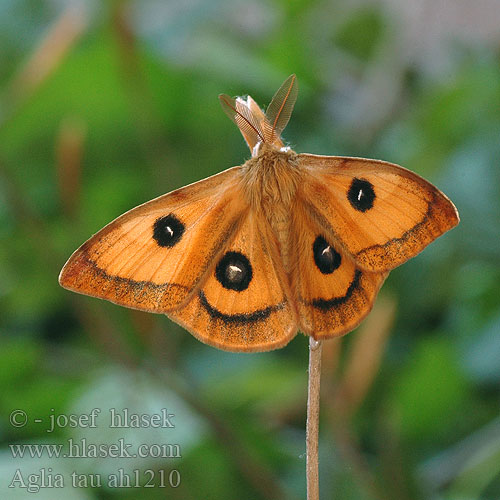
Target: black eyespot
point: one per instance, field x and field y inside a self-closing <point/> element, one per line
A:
<point x="361" y="194"/>
<point x="168" y="230"/>
<point x="325" y="256"/>
<point x="234" y="271"/>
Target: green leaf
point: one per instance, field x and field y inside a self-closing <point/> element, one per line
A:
<point x="430" y="392"/>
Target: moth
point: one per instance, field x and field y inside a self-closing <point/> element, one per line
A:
<point x="285" y="242"/>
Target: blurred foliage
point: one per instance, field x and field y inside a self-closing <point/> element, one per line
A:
<point x="106" y="105"/>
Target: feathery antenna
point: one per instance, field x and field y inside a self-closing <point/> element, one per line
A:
<point x="242" y="116"/>
<point x="280" y="109"/>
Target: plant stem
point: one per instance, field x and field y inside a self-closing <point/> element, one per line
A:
<point x="313" y="419"/>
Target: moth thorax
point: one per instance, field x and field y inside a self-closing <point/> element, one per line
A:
<point x="271" y="179"/>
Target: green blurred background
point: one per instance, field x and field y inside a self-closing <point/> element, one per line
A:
<point x="105" y="105"/>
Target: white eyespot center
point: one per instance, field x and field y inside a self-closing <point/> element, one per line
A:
<point x="234" y="272"/>
<point x="170" y="231"/>
<point x="360" y="194"/>
<point x="327" y="254"/>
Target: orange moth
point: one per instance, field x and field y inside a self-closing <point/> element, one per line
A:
<point x="285" y="242"/>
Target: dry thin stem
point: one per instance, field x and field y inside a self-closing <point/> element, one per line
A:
<point x="313" y="419"/>
<point x="46" y="57"/>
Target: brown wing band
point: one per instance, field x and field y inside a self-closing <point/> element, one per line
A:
<point x="327" y="304"/>
<point x="259" y="315"/>
<point x="434" y="223"/>
<point x="152" y="297"/>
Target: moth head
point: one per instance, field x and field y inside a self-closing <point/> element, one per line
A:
<point x="259" y="128"/>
